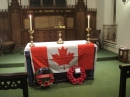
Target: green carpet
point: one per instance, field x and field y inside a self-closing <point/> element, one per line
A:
<point x="105" y="84"/>
<point x="104" y="55"/>
<point x="12" y="60"/>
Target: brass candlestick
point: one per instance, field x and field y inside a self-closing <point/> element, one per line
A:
<point x="60" y="41"/>
<point x="88" y="35"/>
<point x="31" y="38"/>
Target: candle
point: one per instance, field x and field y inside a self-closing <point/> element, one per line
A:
<point x="30" y="22"/>
<point x="88" y="21"/>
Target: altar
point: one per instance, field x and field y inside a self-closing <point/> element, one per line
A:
<point x="60" y="57"/>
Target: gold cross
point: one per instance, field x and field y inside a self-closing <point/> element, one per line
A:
<point x="59" y="26"/>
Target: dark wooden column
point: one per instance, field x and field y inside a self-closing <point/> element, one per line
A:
<point x="15" y="18"/>
<point x="80" y="20"/>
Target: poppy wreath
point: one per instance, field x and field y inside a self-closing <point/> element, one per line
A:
<point x="74" y="80"/>
<point x="44" y="76"/>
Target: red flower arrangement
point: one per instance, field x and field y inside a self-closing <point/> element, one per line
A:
<point x="72" y="79"/>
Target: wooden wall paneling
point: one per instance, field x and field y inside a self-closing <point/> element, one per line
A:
<point x="78" y="35"/>
<point x="75" y="27"/>
<point x="93" y="21"/>
<point x="92" y="13"/>
<point x="26" y="38"/>
<point x="1" y="24"/>
<point x="45" y="36"/>
<point x="6" y="24"/>
<point x="45" y="18"/>
<point x="26" y="23"/>
<point x="21" y="24"/>
<point x="83" y="27"/>
<point x="54" y="35"/>
<point x="71" y="35"/>
<point x="38" y="36"/>
<point x="4" y="21"/>
<point x="14" y="11"/>
<point x="47" y="21"/>
<point x="16" y="28"/>
<point x="16" y="21"/>
<point x="80" y="25"/>
<point x="70" y="29"/>
<point x="63" y="35"/>
<point x="25" y="29"/>
<point x="80" y="21"/>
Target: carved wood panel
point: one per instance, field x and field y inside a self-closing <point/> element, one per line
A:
<point x="48" y="22"/>
<point x="4" y="22"/>
<point x="80" y="26"/>
<point x="16" y="21"/>
<point x="71" y="34"/>
<point x="16" y="28"/>
<point x="43" y="36"/>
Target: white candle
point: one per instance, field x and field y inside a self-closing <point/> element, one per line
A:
<point x="88" y="21"/>
<point x="30" y="22"/>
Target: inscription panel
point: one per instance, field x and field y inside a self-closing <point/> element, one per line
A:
<point x="70" y="22"/>
<point x="47" y="22"/>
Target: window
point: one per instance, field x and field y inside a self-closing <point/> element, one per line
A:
<point x="48" y="3"/>
<point x="34" y="2"/>
<point x="60" y="3"/>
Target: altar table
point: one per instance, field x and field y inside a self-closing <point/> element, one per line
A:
<point x="60" y="57"/>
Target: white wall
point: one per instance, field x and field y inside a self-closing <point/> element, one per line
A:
<point x="3" y="4"/>
<point x="104" y="13"/>
<point x="123" y="21"/>
<point x="108" y="12"/>
<point x="24" y="2"/>
<point x="91" y="3"/>
<point x="105" y="16"/>
<point x="70" y="2"/>
<point x="100" y="14"/>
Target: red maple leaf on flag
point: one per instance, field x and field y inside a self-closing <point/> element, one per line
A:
<point x="63" y="57"/>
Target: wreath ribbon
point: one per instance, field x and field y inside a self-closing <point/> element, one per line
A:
<point x="45" y="79"/>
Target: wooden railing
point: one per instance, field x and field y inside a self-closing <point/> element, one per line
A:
<point x="124" y="74"/>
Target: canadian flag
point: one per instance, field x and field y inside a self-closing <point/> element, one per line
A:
<point x="61" y="58"/>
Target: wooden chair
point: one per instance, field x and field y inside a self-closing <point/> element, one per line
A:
<point x="6" y="43"/>
<point x="95" y="37"/>
<point x="14" y="81"/>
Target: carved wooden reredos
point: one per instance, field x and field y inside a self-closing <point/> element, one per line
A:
<point x="16" y="22"/>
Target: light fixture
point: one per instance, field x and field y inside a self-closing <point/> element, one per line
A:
<point x="125" y="1"/>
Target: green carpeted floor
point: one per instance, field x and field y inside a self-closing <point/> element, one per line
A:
<point x="105" y="83"/>
<point x="17" y="59"/>
<point x="11" y="59"/>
